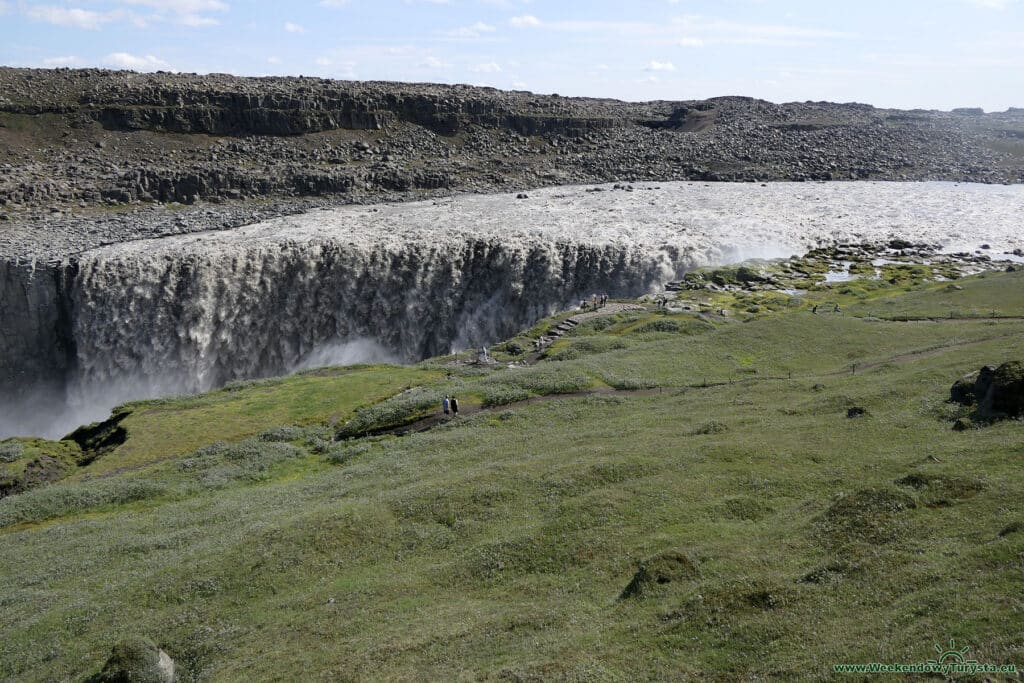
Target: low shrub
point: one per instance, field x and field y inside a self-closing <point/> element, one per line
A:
<point x="340" y="453"/>
<point x="503" y="394"/>
<point x="398" y="410"/>
<point x="282" y="434"/>
<point x="542" y="379"/>
<point x="60" y="500"/>
<point x="221" y="463"/>
<point x="11" y="450"/>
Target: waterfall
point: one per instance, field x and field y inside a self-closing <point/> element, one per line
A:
<point x="181" y="315"/>
<point x="83" y="331"/>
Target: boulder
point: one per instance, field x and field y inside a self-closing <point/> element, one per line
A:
<point x="1004" y="392"/>
<point x="137" y="660"/>
<point x="962" y="391"/>
<point x="970" y="389"/>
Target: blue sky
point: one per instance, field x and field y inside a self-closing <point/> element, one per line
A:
<point x="937" y="54"/>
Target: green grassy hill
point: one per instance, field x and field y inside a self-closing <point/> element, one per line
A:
<point x="659" y="497"/>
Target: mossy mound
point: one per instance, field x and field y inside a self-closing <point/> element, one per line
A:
<point x="942" y="491"/>
<point x="665" y="568"/>
<point x="26" y="463"/>
<point x="830" y="573"/>
<point x="746" y="508"/>
<point x="137" y="660"/>
<point x="868" y="515"/>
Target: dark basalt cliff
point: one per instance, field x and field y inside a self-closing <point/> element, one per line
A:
<point x="80" y="138"/>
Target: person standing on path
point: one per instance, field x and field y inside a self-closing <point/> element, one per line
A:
<point x="455" y="407"/>
<point x="445" y="406"/>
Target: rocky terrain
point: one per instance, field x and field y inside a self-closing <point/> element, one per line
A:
<point x="102" y="145"/>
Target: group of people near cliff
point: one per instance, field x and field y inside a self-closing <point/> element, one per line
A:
<point x="450" y="406"/>
<point x="595" y="302"/>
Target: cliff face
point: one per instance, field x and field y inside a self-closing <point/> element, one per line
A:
<point x="84" y="138"/>
<point x="35" y="331"/>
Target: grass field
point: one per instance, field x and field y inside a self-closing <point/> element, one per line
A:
<point x="708" y="465"/>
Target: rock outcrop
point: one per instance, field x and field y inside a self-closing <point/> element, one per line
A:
<point x="995" y="392"/>
<point x="70" y="138"/>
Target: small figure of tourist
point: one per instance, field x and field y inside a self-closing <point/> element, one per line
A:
<point x="455" y="407"/>
<point x="815" y="309"/>
<point x="583" y="304"/>
<point x="836" y="309"/>
<point x="445" y="406"/>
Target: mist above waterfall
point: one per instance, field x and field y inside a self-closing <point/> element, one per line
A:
<point x="190" y="313"/>
<point x="348" y="352"/>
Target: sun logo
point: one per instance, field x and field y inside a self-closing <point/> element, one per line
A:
<point x="952" y="654"/>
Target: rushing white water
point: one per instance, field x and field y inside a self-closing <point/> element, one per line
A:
<point x="191" y="312"/>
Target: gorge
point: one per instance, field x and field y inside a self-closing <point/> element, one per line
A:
<point x="83" y="330"/>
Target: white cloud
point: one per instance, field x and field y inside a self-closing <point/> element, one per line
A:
<point x="474" y="31"/>
<point x="184" y="12"/>
<point x="323" y="61"/>
<point x="125" y="60"/>
<point x="333" y="3"/>
<point x="519" y="85"/>
<point x="654" y="65"/>
<point x="693" y="31"/>
<point x="62" y="61"/>
<point x="487" y="68"/>
<point x="182" y="6"/>
<point x="992" y="4"/>
<point x="70" y="16"/>
<point x="273" y="60"/>
<point x="5" y="7"/>
<point x="720" y="31"/>
<point x="524" y="21"/>
<point x="431" y="62"/>
<point x="293" y="28"/>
